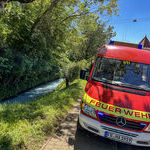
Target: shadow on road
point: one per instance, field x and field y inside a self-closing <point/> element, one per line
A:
<point x="88" y="141"/>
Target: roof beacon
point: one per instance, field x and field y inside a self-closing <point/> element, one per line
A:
<point x="111" y="42"/>
<point x="140" y="46"/>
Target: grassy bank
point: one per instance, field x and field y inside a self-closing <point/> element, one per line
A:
<point x="26" y="126"/>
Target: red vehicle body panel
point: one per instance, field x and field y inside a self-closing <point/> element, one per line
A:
<point x="125" y="53"/>
<point x="118" y="98"/>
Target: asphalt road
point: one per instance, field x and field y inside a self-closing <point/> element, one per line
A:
<point x="87" y="141"/>
<point x="67" y="137"/>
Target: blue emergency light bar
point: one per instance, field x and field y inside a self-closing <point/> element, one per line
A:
<point x="139" y="46"/>
<point x="111" y="42"/>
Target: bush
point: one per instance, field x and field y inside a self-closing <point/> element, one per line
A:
<point x="70" y="72"/>
<point x="20" y="72"/>
<point x="84" y="64"/>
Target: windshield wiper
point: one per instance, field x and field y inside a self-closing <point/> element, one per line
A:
<point x="100" y="80"/>
<point x="118" y="83"/>
<point x="124" y="85"/>
<point x="128" y="86"/>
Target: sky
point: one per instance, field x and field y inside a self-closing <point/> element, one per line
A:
<point x="126" y="29"/>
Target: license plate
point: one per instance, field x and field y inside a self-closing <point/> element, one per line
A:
<point x="118" y="137"/>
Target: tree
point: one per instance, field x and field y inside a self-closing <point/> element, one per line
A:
<point x="40" y="37"/>
<point x="96" y="39"/>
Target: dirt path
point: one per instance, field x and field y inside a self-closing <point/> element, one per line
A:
<point x="68" y="138"/>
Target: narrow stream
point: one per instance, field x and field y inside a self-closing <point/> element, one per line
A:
<point x="34" y="93"/>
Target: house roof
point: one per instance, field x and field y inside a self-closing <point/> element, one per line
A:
<point x="145" y="42"/>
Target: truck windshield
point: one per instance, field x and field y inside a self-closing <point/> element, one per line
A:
<point x="122" y="73"/>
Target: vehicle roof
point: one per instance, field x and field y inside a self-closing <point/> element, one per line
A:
<point x="125" y="53"/>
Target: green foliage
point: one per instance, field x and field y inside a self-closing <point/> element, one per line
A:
<point x="94" y="40"/>
<point x="37" y="38"/>
<point x="70" y="72"/>
<point x="36" y="120"/>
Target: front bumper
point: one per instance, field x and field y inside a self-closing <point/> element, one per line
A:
<point x="138" y="139"/>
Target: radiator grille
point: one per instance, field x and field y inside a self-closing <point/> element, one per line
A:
<point x="129" y="124"/>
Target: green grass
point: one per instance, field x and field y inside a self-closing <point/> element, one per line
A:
<point x="26" y="126"/>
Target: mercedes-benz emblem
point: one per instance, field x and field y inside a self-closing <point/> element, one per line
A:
<point x="121" y="121"/>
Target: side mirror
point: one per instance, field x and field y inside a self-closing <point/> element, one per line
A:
<point x="87" y="77"/>
<point x="83" y="74"/>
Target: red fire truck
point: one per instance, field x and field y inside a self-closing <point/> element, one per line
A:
<point x="116" y="102"/>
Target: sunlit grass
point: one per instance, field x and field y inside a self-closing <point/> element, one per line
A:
<point x="28" y="125"/>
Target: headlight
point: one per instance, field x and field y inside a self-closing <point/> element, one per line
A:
<point x="147" y="128"/>
<point x="89" y="110"/>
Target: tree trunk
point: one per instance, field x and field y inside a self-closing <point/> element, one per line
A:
<point x="67" y="82"/>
